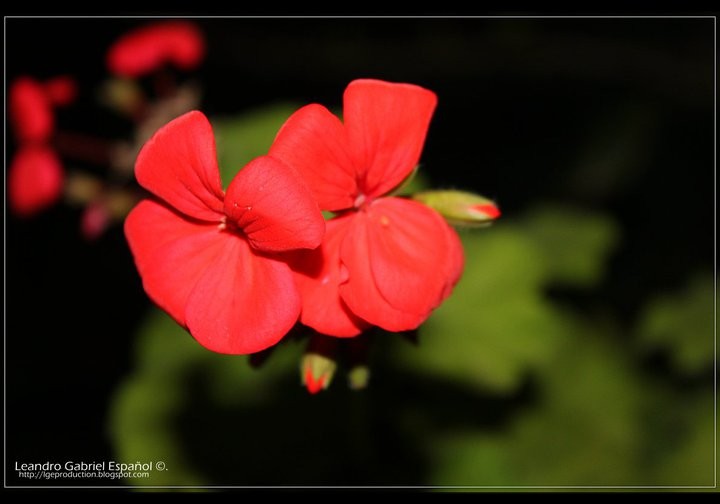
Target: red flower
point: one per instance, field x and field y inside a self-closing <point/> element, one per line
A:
<point x="94" y="220"/>
<point x="208" y="258"/>
<point x="35" y="180"/>
<point x="385" y="261"/>
<point x="60" y="90"/>
<point x="31" y="106"/>
<point x="30" y="111"/>
<point x="148" y="48"/>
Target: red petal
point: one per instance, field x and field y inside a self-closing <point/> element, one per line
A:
<point x="35" y="180"/>
<point x="487" y="210"/>
<point x="30" y="112"/>
<point x="313" y="386"/>
<point x="210" y="281"/>
<point x="360" y="293"/>
<point x="386" y="125"/>
<point x="171" y="253"/>
<point x="147" y="48"/>
<point x="401" y="259"/>
<point x="274" y="207"/>
<point x="185" y="44"/>
<point x="61" y="90"/>
<point x="318" y="277"/>
<point x="455" y="263"/>
<point x="244" y="303"/>
<point x="412" y="253"/>
<point x="313" y="142"/>
<point x="179" y="165"/>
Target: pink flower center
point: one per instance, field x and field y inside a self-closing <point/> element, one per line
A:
<point x="360" y="201"/>
<point x="229" y="226"/>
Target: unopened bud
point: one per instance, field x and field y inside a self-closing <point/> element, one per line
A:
<point x="460" y="208"/>
<point x="317" y="372"/>
<point x="358" y="377"/>
<point x="94" y="220"/>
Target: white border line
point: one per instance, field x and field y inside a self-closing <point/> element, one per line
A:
<point x="449" y="487"/>
<point x="715" y="245"/>
<point x="174" y="16"/>
<point x="5" y="252"/>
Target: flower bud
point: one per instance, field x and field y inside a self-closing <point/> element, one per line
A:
<point x="358" y="377"/>
<point x="460" y="208"/>
<point x="94" y="220"/>
<point x="317" y="372"/>
<point x="35" y="180"/>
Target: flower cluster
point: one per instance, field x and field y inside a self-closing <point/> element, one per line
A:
<point x="38" y="178"/>
<point x="385" y="261"/>
<point x="240" y="268"/>
<point x="36" y="175"/>
<point x="213" y="260"/>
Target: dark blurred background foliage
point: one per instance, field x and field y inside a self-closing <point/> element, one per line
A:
<point x="577" y="349"/>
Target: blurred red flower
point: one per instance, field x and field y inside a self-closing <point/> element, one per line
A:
<point x="94" y="220"/>
<point x="385" y="261"/>
<point x="30" y="111"/>
<point x="147" y="48"/>
<point x="35" y="180"/>
<point x="31" y="106"/>
<point x="60" y="90"/>
<point x="211" y="259"/>
<point x="35" y="176"/>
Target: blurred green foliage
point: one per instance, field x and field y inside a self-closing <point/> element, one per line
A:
<point x="573" y="243"/>
<point x="678" y="324"/>
<point x="498" y="324"/>
<point x="507" y="386"/>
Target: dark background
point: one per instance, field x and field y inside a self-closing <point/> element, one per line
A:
<point x="519" y="101"/>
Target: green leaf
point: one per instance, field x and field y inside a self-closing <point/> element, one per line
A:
<point x="690" y="460"/>
<point x="244" y="137"/>
<point x="682" y="324"/>
<point x="143" y="420"/>
<point x="595" y="420"/>
<point x="497" y="323"/>
<point x="582" y="428"/>
<point x="147" y="401"/>
<point x="574" y="243"/>
<point x="586" y="429"/>
<point x="472" y="458"/>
